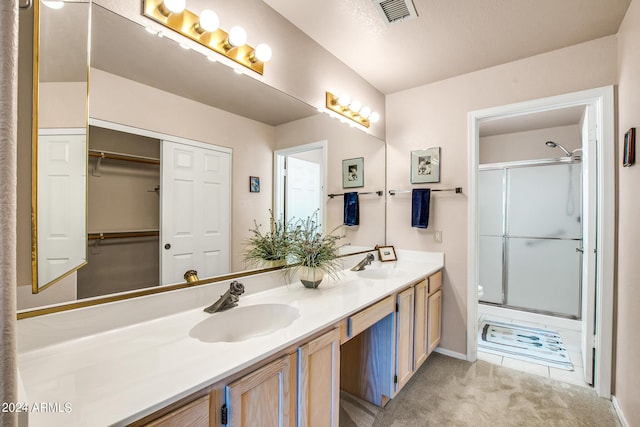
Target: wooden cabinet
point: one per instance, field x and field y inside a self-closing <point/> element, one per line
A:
<point x="319" y="381"/>
<point x="265" y="397"/>
<point x="435" y="317"/>
<point x="404" y="336"/>
<point x="418" y="327"/>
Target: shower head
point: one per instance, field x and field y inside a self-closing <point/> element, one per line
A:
<point x="556" y="145"/>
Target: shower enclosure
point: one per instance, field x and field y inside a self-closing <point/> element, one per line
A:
<point x="530" y="235"/>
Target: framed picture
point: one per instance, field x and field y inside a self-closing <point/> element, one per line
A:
<point x="254" y="184"/>
<point x="425" y="165"/>
<point x="629" y="148"/>
<point x="387" y="253"/>
<point x="353" y="173"/>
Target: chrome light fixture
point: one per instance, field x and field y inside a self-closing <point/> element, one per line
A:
<point x="205" y="30"/>
<point x="352" y="110"/>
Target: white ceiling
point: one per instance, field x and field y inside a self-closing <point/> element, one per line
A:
<point x="533" y="121"/>
<point x="449" y="37"/>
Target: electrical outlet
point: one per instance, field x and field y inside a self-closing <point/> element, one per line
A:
<point x="437" y="236"/>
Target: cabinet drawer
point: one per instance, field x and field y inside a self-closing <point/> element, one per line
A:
<point x="194" y="414"/>
<point x="435" y="282"/>
<point x="369" y="316"/>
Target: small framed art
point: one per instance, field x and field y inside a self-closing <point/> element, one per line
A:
<point x="425" y="165"/>
<point x="353" y="173"/>
<point x="387" y="253"/>
<point x="254" y="184"/>
<point x="629" y="148"/>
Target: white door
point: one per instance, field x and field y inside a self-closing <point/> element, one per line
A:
<point x="62" y="191"/>
<point x="195" y="211"/>
<point x="303" y="189"/>
<point x="589" y="178"/>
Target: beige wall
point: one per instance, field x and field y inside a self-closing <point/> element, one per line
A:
<point x="299" y="67"/>
<point x="528" y="145"/>
<point x="436" y="115"/>
<point x="345" y="142"/>
<point x="627" y="356"/>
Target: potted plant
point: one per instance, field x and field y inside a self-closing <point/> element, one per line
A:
<point x="315" y="252"/>
<point x="268" y="249"/>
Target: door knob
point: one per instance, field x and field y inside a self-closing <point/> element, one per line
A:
<point x="167" y="246"/>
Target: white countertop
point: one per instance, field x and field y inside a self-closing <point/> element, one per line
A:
<point x="116" y="376"/>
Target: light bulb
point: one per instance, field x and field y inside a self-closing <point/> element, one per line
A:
<point x="355" y="106"/>
<point x="174" y="6"/>
<point x="237" y="36"/>
<point x="344" y="99"/>
<point x="262" y="52"/>
<point x="365" y="112"/>
<point x="53" y="4"/>
<point x="208" y="20"/>
<point x="374" y="117"/>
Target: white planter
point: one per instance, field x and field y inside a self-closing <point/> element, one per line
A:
<point x="310" y="276"/>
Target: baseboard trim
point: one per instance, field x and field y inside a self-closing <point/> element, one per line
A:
<point x="618" y="409"/>
<point x="450" y="353"/>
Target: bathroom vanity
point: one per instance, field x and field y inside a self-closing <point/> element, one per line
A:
<point x="160" y="360"/>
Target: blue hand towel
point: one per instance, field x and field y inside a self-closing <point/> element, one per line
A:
<point x="420" y="198"/>
<point x="351" y="209"/>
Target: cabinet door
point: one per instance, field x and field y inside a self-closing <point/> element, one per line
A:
<point x="421" y="335"/>
<point x="435" y="317"/>
<point x="265" y="397"/>
<point x="404" y="338"/>
<point x="319" y="381"/>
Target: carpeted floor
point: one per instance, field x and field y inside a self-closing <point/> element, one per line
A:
<point x="451" y="392"/>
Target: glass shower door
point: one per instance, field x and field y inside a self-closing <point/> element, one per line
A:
<point x="491" y="230"/>
<point x="543" y="238"/>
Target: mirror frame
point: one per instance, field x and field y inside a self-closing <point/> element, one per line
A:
<point x="35" y="287"/>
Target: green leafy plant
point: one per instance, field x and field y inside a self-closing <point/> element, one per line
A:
<point x="271" y="246"/>
<point x="311" y="247"/>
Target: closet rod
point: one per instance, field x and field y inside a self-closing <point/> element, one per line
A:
<point x="127" y="157"/>
<point x="379" y="193"/>
<point x="457" y="190"/>
<point x="123" y="234"/>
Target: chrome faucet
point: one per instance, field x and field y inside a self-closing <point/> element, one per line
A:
<point x="228" y="300"/>
<point x="366" y="261"/>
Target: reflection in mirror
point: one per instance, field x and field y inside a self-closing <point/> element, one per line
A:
<point x="146" y="90"/>
<point x="61" y="42"/>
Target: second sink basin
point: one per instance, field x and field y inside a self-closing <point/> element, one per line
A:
<point x="243" y="323"/>
<point x="380" y="273"/>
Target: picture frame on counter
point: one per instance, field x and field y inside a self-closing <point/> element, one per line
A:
<point x="387" y="253"/>
<point x="425" y="165"/>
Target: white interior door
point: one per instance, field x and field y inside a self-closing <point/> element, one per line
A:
<point x="195" y="211"/>
<point x="589" y="179"/>
<point x="62" y="190"/>
<point x="303" y="189"/>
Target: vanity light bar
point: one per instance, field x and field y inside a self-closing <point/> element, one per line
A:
<point x="350" y="111"/>
<point x="187" y="24"/>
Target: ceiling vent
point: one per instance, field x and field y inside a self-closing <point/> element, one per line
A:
<point x="394" y="11"/>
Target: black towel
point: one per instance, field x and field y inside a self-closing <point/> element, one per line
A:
<point x="420" y="198"/>
<point x="351" y="209"/>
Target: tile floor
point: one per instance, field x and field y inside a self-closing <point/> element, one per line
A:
<point x="571" y="340"/>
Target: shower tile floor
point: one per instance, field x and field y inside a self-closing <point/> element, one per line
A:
<point x="571" y="339"/>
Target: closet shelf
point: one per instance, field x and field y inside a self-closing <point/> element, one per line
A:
<point x="123" y="234"/>
<point x="101" y="154"/>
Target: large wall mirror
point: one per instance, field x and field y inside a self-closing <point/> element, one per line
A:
<point x="59" y="132"/>
<point x="155" y="106"/>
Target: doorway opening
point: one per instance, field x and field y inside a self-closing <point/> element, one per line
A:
<point x="300" y="189"/>
<point x="592" y="304"/>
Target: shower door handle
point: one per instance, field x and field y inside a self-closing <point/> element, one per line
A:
<point x="580" y="250"/>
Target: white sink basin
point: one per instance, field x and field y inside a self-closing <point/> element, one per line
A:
<point x="243" y="323"/>
<point x="381" y="273"/>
